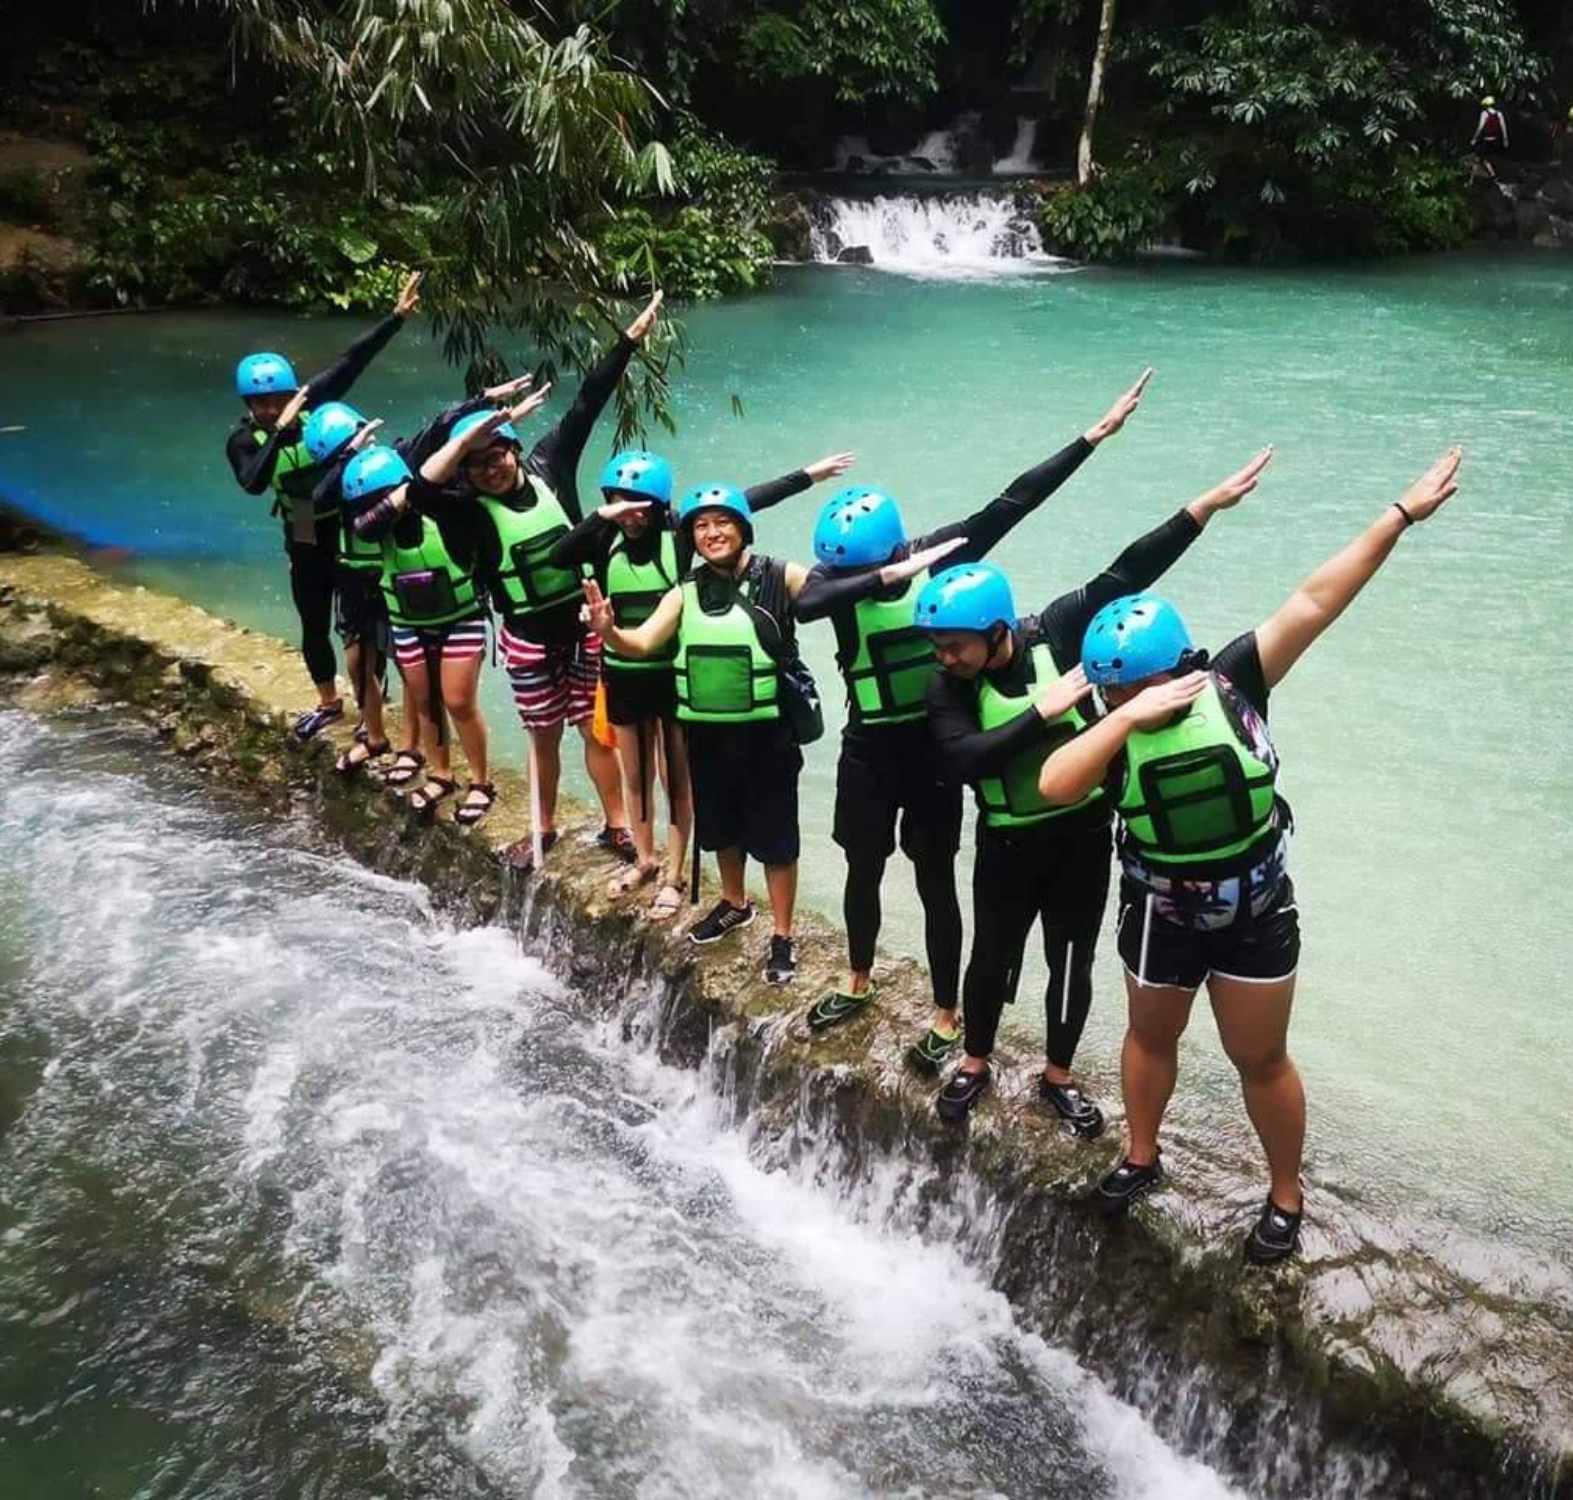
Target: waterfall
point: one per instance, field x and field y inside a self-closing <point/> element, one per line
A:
<point x="951" y="234"/>
<point x="1021" y="154"/>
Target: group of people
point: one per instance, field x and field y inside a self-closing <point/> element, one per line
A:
<point x="1090" y="730"/>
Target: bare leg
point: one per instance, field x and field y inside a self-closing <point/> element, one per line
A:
<point x="601" y="763"/>
<point x="548" y="744"/>
<point x="1149" y="1060"/>
<point x="638" y="747"/>
<point x="781" y="883"/>
<point x="679" y="797"/>
<point x="731" y="863"/>
<point x="1253" y="1021"/>
<point x="460" y="687"/>
<point x="360" y="659"/>
<point x="417" y="697"/>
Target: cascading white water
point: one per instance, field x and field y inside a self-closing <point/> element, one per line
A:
<point x="949" y="235"/>
<point x="1021" y="158"/>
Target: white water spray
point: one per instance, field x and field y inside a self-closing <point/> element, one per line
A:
<point x="949" y="235"/>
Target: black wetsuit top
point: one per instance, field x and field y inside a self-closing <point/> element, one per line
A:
<point x="968" y="753"/>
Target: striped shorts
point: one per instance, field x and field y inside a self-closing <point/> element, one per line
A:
<point x="552" y="684"/>
<point x="458" y="642"/>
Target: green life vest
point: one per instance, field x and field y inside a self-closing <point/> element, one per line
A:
<point x="359" y="553"/>
<point x="724" y="674"/>
<point x="1013" y="799"/>
<point x="295" y="475"/>
<point x="423" y="585"/>
<point x="889" y="673"/>
<point x="1198" y="795"/>
<point x="635" y="589"/>
<point x="526" y="582"/>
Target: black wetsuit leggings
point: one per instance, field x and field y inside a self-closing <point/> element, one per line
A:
<point x="1039" y="873"/>
<point x="935" y="875"/>
<point x="313" y="570"/>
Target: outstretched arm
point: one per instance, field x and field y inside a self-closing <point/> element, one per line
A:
<point x="774" y="491"/>
<point x="824" y="591"/>
<point x="441" y="467"/>
<point x="1329" y="591"/>
<point x="644" y="640"/>
<point x="987" y="528"/>
<point x="334" y="383"/>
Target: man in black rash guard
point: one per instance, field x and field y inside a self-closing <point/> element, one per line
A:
<point x="1034" y="862"/>
<point x="888" y="769"/>
<point x="522" y="505"/>
<point x="265" y="452"/>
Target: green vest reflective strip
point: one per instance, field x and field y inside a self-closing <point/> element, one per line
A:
<point x="1013" y="800"/>
<point x="295" y="475"/>
<point x="724" y="674"/>
<point x="423" y="585"/>
<point x="635" y="589"/>
<point x="1197" y="795"/>
<point x="889" y="675"/>
<point x="526" y="582"/>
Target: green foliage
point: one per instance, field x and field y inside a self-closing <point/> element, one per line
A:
<point x="707" y="244"/>
<point x="1117" y="214"/>
<point x="1307" y="125"/>
<point x="30" y="198"/>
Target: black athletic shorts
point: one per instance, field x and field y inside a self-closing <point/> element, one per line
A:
<point x="745" y="789"/>
<point x="1259" y="949"/>
<point x="637" y="697"/>
<point x="890" y="776"/>
<point x="361" y="614"/>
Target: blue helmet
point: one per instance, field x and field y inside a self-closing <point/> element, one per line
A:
<point x="716" y="496"/>
<point x="635" y="472"/>
<point x="265" y="375"/>
<point x="857" y="528"/>
<point x="372" y="473"/>
<point x="504" y="434"/>
<point x="970" y="596"/>
<point x="329" y="427"/>
<point x="1133" y="637"/>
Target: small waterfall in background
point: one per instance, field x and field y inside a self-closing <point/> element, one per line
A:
<point x="1021" y="158"/>
<point x="949" y="234"/>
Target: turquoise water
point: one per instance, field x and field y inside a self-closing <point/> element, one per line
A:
<point x="1424" y="738"/>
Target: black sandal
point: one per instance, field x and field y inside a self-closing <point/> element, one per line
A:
<point x="407" y="765"/>
<point x="423" y="804"/>
<point x="470" y="813"/>
<point x="350" y="764"/>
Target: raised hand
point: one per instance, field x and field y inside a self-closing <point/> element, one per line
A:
<point x="293" y="408"/>
<point x="917" y="562"/>
<point x="365" y="435"/>
<point x="409" y="295"/>
<point x="646" y="320"/>
<point x="482" y="434"/>
<point x="1061" y="696"/>
<point x="509" y="388"/>
<point x="599" y="608"/>
<point x="1154" y="706"/>
<point x="1438" y="484"/>
<point x="1236" y="487"/>
<point x="1121" y="412"/>
<point x="830" y="468"/>
<point x="615" y="508"/>
<point x="531" y="403"/>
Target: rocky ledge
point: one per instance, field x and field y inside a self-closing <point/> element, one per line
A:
<point x="1370" y="1368"/>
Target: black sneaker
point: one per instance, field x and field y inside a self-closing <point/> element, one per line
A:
<point x="1081" y="1116"/>
<point x="781" y="966"/>
<point x="315" y="720"/>
<point x="1125" y="1184"/>
<point x="838" y="1006"/>
<point x="1275" y="1236"/>
<point x="954" y="1102"/>
<point x="721" y="919"/>
<point x="929" y="1055"/>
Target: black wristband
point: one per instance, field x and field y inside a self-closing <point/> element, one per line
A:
<point x="1398" y="505"/>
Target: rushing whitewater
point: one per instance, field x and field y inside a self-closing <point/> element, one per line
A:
<point x="306" y="1191"/>
<point x="941" y="235"/>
